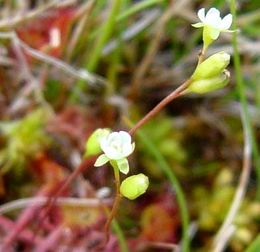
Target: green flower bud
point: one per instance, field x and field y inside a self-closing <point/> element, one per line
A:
<point x="92" y="146"/>
<point x="203" y="86"/>
<point x="212" y="66"/>
<point x="134" y="186"/>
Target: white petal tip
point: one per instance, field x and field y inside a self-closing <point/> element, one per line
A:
<point x="201" y="14"/>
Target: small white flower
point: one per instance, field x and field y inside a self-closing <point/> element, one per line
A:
<point x="116" y="147"/>
<point x="213" y="23"/>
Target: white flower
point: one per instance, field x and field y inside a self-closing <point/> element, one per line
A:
<point x="213" y="23"/>
<point x="116" y="147"/>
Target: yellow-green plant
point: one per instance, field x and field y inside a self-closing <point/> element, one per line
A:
<point x="24" y="138"/>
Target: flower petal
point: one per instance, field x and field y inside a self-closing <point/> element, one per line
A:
<point x="101" y="160"/>
<point x="123" y="165"/>
<point x="213" y="18"/>
<point x="125" y="137"/>
<point x="201" y="14"/>
<point x="198" y="25"/>
<point x="226" y="22"/>
<point x="212" y="13"/>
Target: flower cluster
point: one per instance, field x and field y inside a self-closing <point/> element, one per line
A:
<point x="116" y="147"/>
<point x="211" y="74"/>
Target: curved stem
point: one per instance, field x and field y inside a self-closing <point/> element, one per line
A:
<point x="241" y="89"/>
<point x="227" y="229"/>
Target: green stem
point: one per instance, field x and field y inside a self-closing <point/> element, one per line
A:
<point x="93" y="59"/>
<point x="152" y="149"/>
<point x="129" y="12"/>
<point x="136" y="8"/>
<point x="243" y="99"/>
<point x="104" y="36"/>
<point x="120" y="235"/>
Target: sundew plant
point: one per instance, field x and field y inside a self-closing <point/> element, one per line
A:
<point x="129" y="126"/>
<point x="209" y="75"/>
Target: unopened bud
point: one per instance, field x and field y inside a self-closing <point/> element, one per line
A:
<point x="134" y="186"/>
<point x="203" y="86"/>
<point x="212" y="66"/>
<point x="92" y="147"/>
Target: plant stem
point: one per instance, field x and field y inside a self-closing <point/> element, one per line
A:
<point x="176" y="93"/>
<point x="202" y="54"/>
<point x="115" y="204"/>
<point x="243" y="99"/>
<point x="51" y="201"/>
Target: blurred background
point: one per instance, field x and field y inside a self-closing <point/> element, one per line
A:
<point x="69" y="67"/>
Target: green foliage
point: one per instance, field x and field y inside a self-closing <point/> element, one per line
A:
<point x="254" y="246"/>
<point x="24" y="139"/>
<point x="168" y="142"/>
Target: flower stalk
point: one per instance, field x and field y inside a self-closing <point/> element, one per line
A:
<point x="115" y="204"/>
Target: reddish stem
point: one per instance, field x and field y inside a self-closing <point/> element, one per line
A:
<point x="115" y="205"/>
<point x="25" y="217"/>
<point x="84" y="164"/>
<point x="51" y="242"/>
<point x="176" y="93"/>
<point x="25" y="236"/>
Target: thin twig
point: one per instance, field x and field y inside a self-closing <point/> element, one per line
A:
<point x="51" y="201"/>
<point x="77" y="73"/>
<point x="132" y="30"/>
<point x="40" y="201"/>
<point x="25" y="217"/>
<point x="33" y="82"/>
<point x="220" y="241"/>
<point x="81" y="27"/>
<point x="52" y="241"/>
<point x="27" y="235"/>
